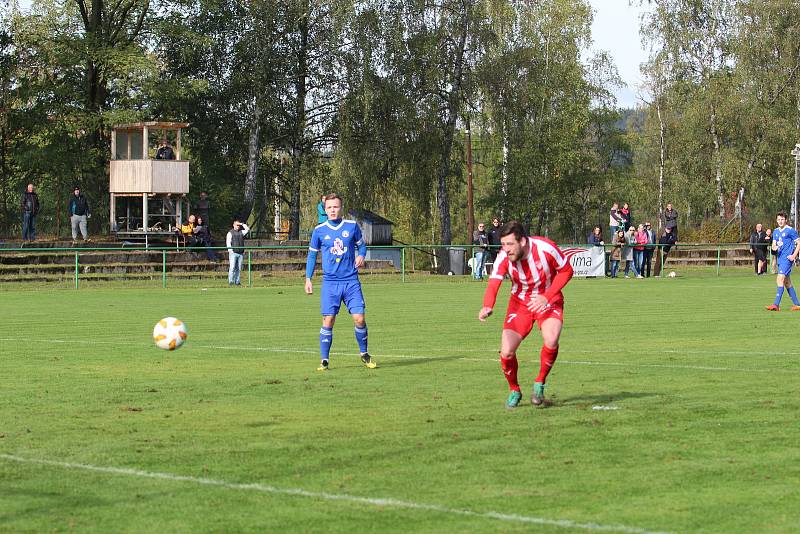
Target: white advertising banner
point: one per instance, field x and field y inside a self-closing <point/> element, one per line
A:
<point x="587" y="261"/>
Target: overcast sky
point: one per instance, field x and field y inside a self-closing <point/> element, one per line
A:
<point x="615" y="29"/>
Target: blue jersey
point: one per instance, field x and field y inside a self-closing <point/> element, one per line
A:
<point x="786" y="240"/>
<point x="339" y="242"/>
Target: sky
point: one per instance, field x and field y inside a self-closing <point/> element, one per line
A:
<point x="615" y="29"/>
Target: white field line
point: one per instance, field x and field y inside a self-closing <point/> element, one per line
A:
<point x="325" y="496"/>
<point x="561" y="360"/>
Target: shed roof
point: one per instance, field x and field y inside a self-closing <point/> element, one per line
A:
<point x="157" y="125"/>
<point x="369" y="217"/>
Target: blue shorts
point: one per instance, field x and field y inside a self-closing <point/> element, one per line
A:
<point x="785" y="266"/>
<point x="334" y="293"/>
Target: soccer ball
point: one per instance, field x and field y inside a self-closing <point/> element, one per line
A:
<point x="672" y="274"/>
<point x="170" y="333"/>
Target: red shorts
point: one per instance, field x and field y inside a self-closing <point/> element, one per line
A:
<point x="520" y="319"/>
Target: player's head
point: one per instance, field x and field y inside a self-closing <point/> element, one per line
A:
<point x="513" y="239"/>
<point x="333" y="206"/>
<point x="781" y="218"/>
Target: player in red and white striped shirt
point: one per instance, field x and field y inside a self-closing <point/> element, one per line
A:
<point x="538" y="271"/>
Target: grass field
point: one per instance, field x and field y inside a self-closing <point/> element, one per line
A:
<point x="675" y="410"/>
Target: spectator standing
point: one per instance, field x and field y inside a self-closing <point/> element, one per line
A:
<point x="203" y="209"/>
<point x="614" y="219"/>
<point x="79" y="213"/>
<point x="665" y="243"/>
<point x="616" y="253"/>
<point x="671" y="220"/>
<point x="165" y="150"/>
<point x="648" y="249"/>
<point x="235" y="243"/>
<point x="30" y="208"/>
<point x="494" y="240"/>
<point x="321" y="215"/>
<point x="630" y="241"/>
<point x="770" y="255"/>
<point x="638" y="250"/>
<point x="758" y="249"/>
<point x="481" y="240"/>
<point x="627" y="216"/>
<point x="203" y="238"/>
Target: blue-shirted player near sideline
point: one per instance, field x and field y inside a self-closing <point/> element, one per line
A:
<point x="343" y="251"/>
<point x="786" y="245"/>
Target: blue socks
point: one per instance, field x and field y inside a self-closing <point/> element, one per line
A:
<point x="793" y="295"/>
<point x="325" y="341"/>
<point x="779" y="296"/>
<point x="361" y="338"/>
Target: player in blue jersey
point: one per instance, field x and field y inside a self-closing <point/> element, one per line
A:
<point x="343" y="252"/>
<point x="785" y="245"/>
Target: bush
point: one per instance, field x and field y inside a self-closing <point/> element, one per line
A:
<point x="710" y="231"/>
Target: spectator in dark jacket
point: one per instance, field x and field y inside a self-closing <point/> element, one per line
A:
<point x="481" y="239"/>
<point x="758" y="249"/>
<point x="665" y="243"/>
<point x="494" y="239"/>
<point x="202" y="237"/>
<point x="596" y="237"/>
<point x="671" y="220"/>
<point x="165" y="150"/>
<point x="79" y="213"/>
<point x="627" y="216"/>
<point x="30" y="208"/>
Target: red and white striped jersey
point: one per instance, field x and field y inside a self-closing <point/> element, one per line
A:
<point x="533" y="274"/>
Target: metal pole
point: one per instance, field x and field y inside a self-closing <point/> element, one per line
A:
<point x="76" y="270"/>
<point x="719" y="252"/>
<point x="403" y="264"/>
<point x="164" y="269"/>
<point x="249" y="268"/>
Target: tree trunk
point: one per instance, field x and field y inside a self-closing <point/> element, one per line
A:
<point x="453" y="110"/>
<point x="253" y="156"/>
<point x="661" y="163"/>
<point x="717" y="163"/>
<point x="298" y="147"/>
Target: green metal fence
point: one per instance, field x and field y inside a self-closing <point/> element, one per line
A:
<point x="413" y="258"/>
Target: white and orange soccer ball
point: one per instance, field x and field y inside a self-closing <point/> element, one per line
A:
<point x="170" y="333"/>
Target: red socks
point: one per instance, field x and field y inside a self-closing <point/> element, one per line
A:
<point x="510" y="366"/>
<point x="548" y="358"/>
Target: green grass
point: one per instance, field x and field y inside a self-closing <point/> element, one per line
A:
<point x="704" y="436"/>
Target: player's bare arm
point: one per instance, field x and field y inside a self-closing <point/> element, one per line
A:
<point x="359" y="262"/>
<point x="793" y="255"/>
<point x="309" y="286"/>
<point x="484" y="313"/>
